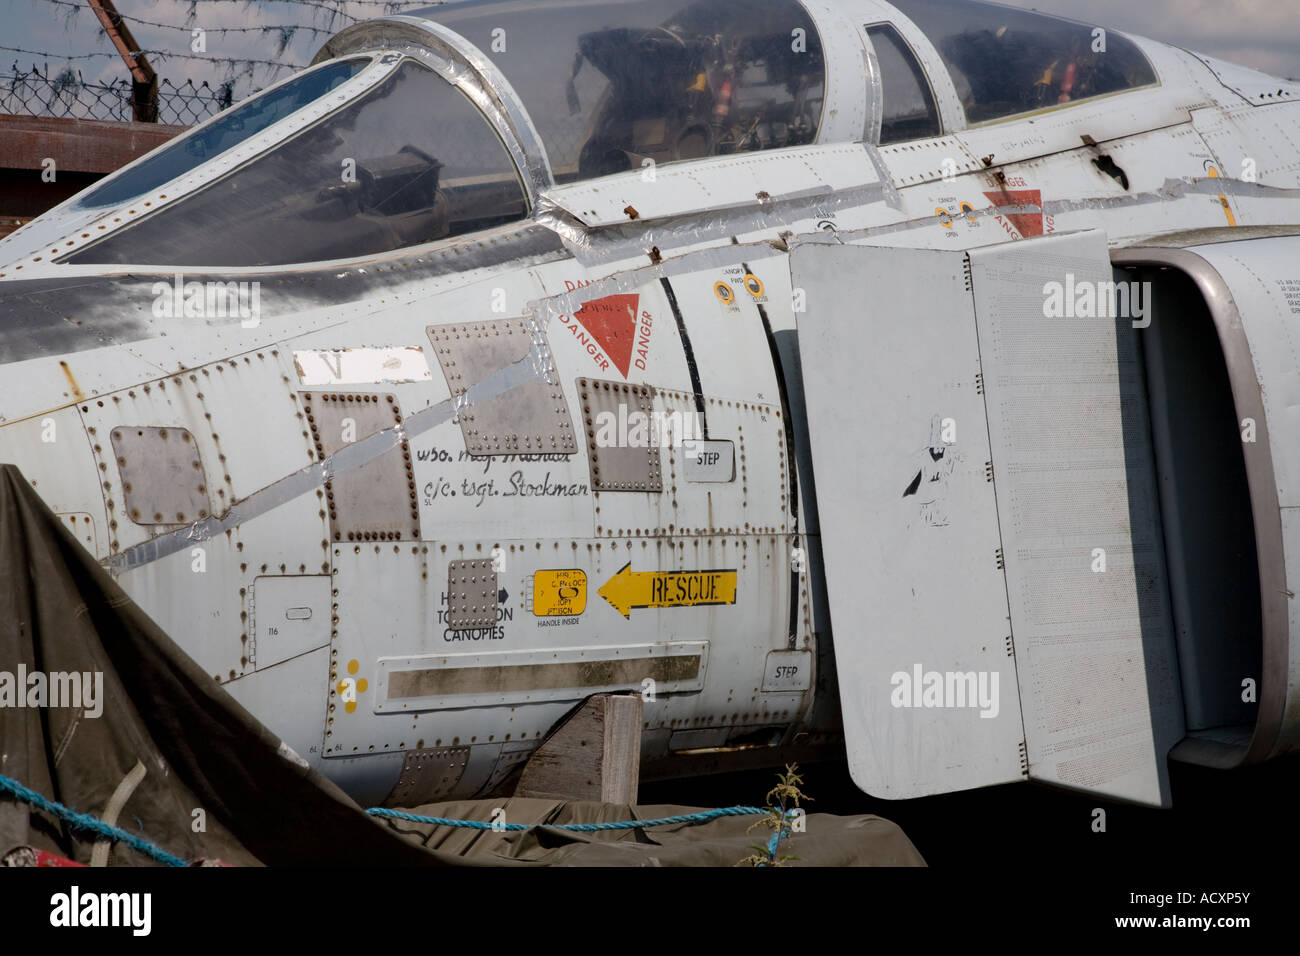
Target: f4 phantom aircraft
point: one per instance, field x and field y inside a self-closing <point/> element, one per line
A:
<point x="910" y="378"/>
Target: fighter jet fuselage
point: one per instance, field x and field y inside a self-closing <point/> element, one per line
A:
<point x="913" y="379"/>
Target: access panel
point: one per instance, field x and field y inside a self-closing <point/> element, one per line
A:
<point x="989" y="518"/>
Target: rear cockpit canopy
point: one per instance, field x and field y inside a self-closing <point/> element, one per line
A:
<point x="610" y="86"/>
<point x="1005" y="62"/>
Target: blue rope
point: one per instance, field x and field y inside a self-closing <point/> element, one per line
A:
<point x="702" y="817"/>
<point x="84" y="821"/>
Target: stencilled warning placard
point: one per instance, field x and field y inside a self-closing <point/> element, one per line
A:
<point x="560" y="593"/>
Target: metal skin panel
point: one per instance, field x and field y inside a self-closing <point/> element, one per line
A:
<point x="54" y="455"/>
<point x="908" y="522"/>
<point x="429" y="775"/>
<point x="721" y="312"/>
<point x="209" y="403"/>
<point x="294" y="692"/>
<point x="162" y="476"/>
<point x="533" y="417"/>
<point x="290" y="616"/>
<point x="1258" y="89"/>
<point x="1258" y="137"/>
<point x="1081" y="530"/>
<point x="377" y="501"/>
<point x="202" y="594"/>
<point x="501" y="496"/>
<point x="631" y="461"/>
<point x="719" y="182"/>
<point x="582" y="336"/>
<point x="394" y="607"/>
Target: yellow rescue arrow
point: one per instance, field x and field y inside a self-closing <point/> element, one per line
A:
<point x="628" y="589"/>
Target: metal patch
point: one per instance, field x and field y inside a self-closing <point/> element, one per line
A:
<point x="429" y="776"/>
<point x="162" y="475"/>
<point x="376" y="501"/>
<point x="471" y="594"/>
<point x="531" y="418"/>
<point x="622" y="443"/>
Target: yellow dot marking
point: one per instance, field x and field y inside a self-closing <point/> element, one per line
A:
<point x="361" y="686"/>
<point x="350" y="707"/>
<point x="353" y="667"/>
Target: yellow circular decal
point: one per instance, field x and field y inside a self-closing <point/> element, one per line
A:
<point x="722" y="290"/>
<point x="753" y="285"/>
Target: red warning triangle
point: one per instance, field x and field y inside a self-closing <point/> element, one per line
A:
<point x="612" y="322"/>
<point x="1028" y="223"/>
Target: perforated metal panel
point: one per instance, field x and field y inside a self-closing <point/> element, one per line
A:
<point x="533" y="416"/>
<point x="162" y="474"/>
<point x="1075" y="480"/>
<point x="471" y="593"/>
<point x="429" y="776"/>
<point x="620" y="459"/>
<point x="376" y="501"/>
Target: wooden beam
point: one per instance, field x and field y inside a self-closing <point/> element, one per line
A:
<point x="594" y="755"/>
<point x="77" y="145"/>
<point x="144" y="81"/>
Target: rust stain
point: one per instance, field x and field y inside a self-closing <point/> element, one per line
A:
<point x="77" y="394"/>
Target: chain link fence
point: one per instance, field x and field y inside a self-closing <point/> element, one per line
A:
<point x="67" y="94"/>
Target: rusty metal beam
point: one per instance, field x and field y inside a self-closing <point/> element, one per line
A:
<point x="144" y="81"/>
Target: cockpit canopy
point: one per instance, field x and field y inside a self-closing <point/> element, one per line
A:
<point x="408" y="161"/>
<point x="453" y="119"/>
<point x="1005" y="61"/>
<point x="611" y="85"/>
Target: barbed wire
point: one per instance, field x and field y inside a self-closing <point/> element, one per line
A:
<point x="161" y="55"/>
<point x="271" y="28"/>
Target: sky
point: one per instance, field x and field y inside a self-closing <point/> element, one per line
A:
<point x="1263" y="34"/>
